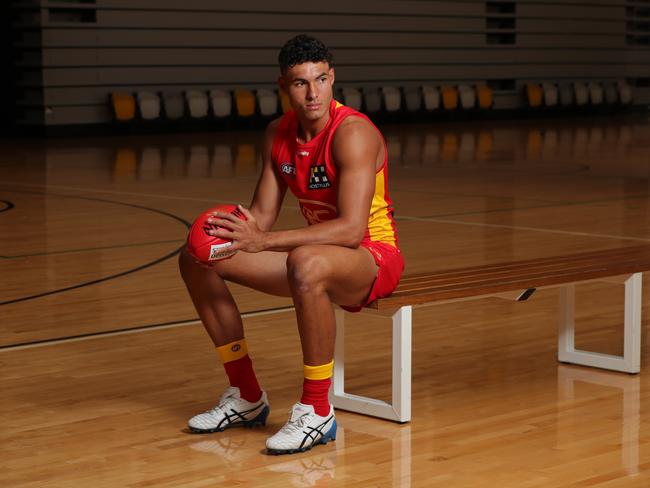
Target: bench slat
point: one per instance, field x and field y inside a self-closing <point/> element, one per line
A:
<point x="502" y="277"/>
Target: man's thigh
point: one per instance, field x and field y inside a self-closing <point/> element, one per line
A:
<point x="351" y="272"/>
<point x="264" y="271"/>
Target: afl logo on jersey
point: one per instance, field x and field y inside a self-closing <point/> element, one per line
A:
<point x="288" y="169"/>
<point x="318" y="178"/>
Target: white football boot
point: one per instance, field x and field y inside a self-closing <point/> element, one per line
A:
<point x="303" y="430"/>
<point x="231" y="411"/>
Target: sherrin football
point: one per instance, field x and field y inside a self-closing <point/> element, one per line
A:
<point x="205" y="247"/>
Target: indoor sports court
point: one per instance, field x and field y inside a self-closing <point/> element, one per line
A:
<point x="518" y="141"/>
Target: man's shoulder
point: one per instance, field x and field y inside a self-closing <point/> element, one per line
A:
<point x="272" y="128"/>
<point x="356" y="125"/>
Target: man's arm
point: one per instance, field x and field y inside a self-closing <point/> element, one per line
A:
<point x="270" y="189"/>
<point x="355" y="148"/>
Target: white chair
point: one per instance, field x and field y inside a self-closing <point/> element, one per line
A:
<point x="566" y="95"/>
<point x="431" y="149"/>
<point x="150" y="167"/>
<point x="197" y="103"/>
<point x="550" y="94"/>
<point x="392" y="98"/>
<point x="267" y="101"/>
<point x="413" y="97"/>
<point x="174" y="104"/>
<point x="611" y="94"/>
<point x="595" y="93"/>
<point x="467" y="146"/>
<point x="221" y="103"/>
<point x="198" y="164"/>
<point x="467" y="96"/>
<point x="624" y="92"/>
<point x="431" y="95"/>
<point x="352" y="97"/>
<point x="581" y="93"/>
<point x="372" y="99"/>
<point x="149" y="105"/>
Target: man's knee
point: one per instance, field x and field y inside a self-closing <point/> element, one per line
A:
<point x="190" y="267"/>
<point x="307" y="269"/>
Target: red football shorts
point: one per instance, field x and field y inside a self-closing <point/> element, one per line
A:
<point x="391" y="264"/>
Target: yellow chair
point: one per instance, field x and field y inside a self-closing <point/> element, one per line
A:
<point x="450" y="147"/>
<point x="535" y="94"/>
<point x="485" y="96"/>
<point x="284" y="101"/>
<point x="123" y="106"/>
<point x="246" y="159"/>
<point x="534" y="144"/>
<point x="484" y="145"/>
<point x="449" y="97"/>
<point x="245" y="102"/>
<point x="125" y="164"/>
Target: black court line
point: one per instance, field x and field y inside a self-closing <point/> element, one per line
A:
<point x="89" y="249"/>
<point x="8" y="206"/>
<point x="110" y="277"/>
<point x="135" y="329"/>
<point x="533" y="207"/>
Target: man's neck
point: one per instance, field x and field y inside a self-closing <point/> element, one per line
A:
<point x="308" y="129"/>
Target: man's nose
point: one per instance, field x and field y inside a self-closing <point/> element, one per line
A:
<point x="312" y="93"/>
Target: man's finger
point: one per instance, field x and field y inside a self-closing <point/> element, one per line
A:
<point x="246" y="212"/>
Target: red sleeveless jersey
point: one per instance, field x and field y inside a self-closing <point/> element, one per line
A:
<point x="312" y="176"/>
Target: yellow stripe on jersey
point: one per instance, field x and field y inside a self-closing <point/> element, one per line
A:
<point x="338" y="104"/>
<point x="380" y="225"/>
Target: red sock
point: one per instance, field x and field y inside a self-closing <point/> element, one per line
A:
<point x="315" y="392"/>
<point x="240" y="373"/>
<point x="239" y="369"/>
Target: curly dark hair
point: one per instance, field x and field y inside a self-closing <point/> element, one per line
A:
<point x="303" y="49"/>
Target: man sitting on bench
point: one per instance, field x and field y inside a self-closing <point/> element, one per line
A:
<point x="335" y="161"/>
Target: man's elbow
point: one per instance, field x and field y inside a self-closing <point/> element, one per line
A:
<point x="354" y="237"/>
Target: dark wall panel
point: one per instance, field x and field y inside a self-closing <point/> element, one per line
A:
<point x="71" y="55"/>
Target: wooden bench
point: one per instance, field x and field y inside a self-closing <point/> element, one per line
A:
<point x="514" y="280"/>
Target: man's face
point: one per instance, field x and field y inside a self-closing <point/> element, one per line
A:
<point x="309" y="87"/>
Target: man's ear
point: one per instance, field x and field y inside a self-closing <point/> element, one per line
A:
<point x="282" y="83"/>
<point x="332" y="77"/>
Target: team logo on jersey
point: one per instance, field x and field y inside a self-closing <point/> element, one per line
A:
<point x="288" y="169"/>
<point x="316" y="212"/>
<point x="318" y="178"/>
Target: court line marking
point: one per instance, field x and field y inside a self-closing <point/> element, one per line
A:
<point x="531" y="229"/>
<point x="9" y="205"/>
<point x="90" y="249"/>
<point x="404" y="217"/>
<point x="194" y="199"/>
<point x="110" y="277"/>
<point x="132" y="330"/>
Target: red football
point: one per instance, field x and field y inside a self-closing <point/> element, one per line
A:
<point x="204" y="247"/>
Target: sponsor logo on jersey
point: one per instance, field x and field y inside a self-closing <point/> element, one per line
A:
<point x="318" y="179"/>
<point x="235" y="348"/>
<point x="288" y="169"/>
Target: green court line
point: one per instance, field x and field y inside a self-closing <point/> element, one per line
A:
<point x="90" y="249"/>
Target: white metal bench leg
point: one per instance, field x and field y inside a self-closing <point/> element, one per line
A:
<point x="630" y="362"/>
<point x="400" y="409"/>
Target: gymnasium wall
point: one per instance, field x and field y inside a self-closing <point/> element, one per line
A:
<point x="72" y="54"/>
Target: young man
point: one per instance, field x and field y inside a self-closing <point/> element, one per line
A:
<point x="335" y="161"/>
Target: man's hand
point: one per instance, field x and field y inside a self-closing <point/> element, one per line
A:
<point x="245" y="234"/>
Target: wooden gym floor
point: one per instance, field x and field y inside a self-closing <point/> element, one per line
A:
<point x="102" y="360"/>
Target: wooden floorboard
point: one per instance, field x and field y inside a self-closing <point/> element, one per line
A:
<point x="87" y="247"/>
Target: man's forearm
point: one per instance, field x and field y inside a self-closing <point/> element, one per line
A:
<point x="334" y="232"/>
